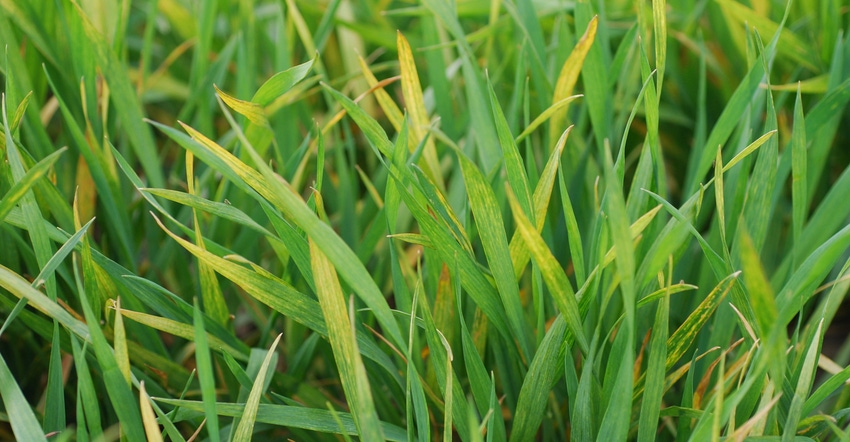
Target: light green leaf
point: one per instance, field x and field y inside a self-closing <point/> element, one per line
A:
<point x="355" y="383"/>
<point x="245" y="429"/>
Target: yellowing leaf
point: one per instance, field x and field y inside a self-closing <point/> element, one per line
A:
<point x="412" y="91"/>
<point x="252" y="111"/>
<point x="148" y="417"/>
<point x="569" y="76"/>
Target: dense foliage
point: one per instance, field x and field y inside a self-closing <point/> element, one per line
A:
<point x="456" y="219"/>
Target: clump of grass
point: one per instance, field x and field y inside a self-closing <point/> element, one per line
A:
<point x="411" y="221"/>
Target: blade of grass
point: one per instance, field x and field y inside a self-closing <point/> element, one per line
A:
<point x="804" y="385"/>
<point x="24" y="424"/>
<point x="213" y="299"/>
<point x="511" y="156"/>
<point x="148" y="416"/>
<point x="542" y="196"/>
<point x="799" y="288"/>
<point x="119" y="392"/>
<point x="48" y="269"/>
<point x="798" y="173"/>
<point x="341" y="335"/>
<point x="573" y="233"/>
<point x="759" y="292"/>
<point x="205" y="374"/>
<point x="175" y="328"/>
<point x="763" y="178"/>
<point x="417" y="408"/>
<point x="656" y="368"/>
<point x="482" y="392"/>
<point x="554" y="276"/>
<point x="119" y="341"/>
<point x="616" y="419"/>
<point x="86" y="394"/>
<point x="440" y="356"/>
<point x="485" y="135"/>
<point x="54" y="407"/>
<point x="659" y="23"/>
<point x="22" y="185"/>
<point x="245" y="428"/>
<point x="38" y="235"/>
<point x="21" y="288"/>
<point x="484" y="206"/>
<point x="595" y="77"/>
<point x="286" y="416"/>
<point x="541" y="376"/>
<point x="568" y="75"/>
<point x="412" y="92"/>
<point x="281" y="83"/>
<point x="682" y="339"/>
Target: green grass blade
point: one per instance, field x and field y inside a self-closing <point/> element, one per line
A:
<point x="454" y="399"/>
<point x="618" y="222"/>
<point x="24" y="424"/>
<point x="206" y="376"/>
<point x="245" y="428"/>
<point x="477" y="372"/>
<point x="341" y="335"/>
<point x="21" y="288"/>
<point x="474" y="281"/>
<point x="281" y="83"/>
<point x="823" y="391"/>
<point x="804" y="386"/>
<point x="680" y="341"/>
<point x="659" y="23"/>
<point x="47" y="270"/>
<point x="799" y="287"/>
<point x="86" y="394"/>
<point x="656" y="369"/>
<point x="759" y="291"/>
<point x="97" y="168"/>
<point x="541" y="376"/>
<point x="511" y="156"/>
<point x="175" y="328"/>
<point x="213" y="299"/>
<point x="54" y="412"/>
<point x="417" y="407"/>
<point x="799" y="185"/>
<point x="120" y="395"/>
<point x="491" y="230"/>
<point x="554" y="276"/>
<point x="38" y="235"/>
<point x="542" y="196"/>
<point x="595" y="77"/>
<point x="616" y="420"/>
<point x="22" y="185"/>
